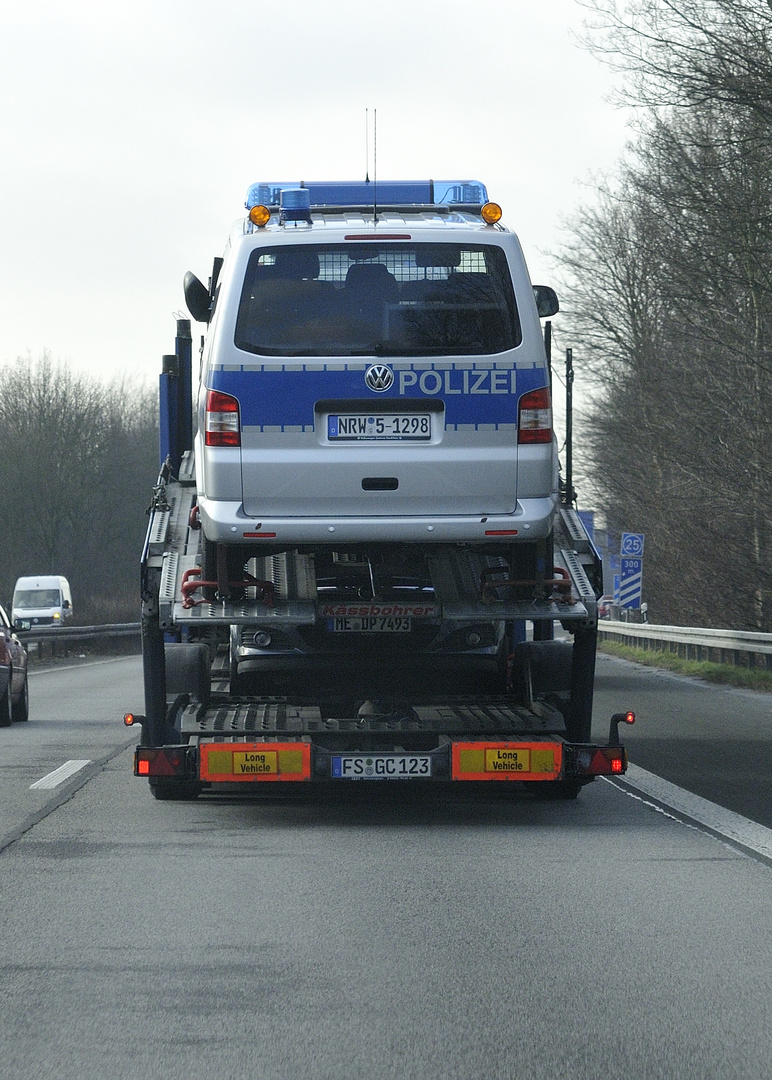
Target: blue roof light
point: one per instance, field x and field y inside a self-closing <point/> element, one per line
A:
<point x="364" y="193"/>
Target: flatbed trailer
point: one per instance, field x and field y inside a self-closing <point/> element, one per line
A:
<point x="201" y="732"/>
<point x="356" y="565"/>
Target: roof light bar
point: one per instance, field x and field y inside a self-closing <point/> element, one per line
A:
<point x="366" y="193"/>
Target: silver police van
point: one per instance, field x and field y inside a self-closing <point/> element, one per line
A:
<point x="374" y="369"/>
<point x="374" y="399"/>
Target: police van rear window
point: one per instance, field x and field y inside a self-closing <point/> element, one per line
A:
<point x="394" y="299"/>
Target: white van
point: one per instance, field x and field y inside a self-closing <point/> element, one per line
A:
<point x="45" y="600"/>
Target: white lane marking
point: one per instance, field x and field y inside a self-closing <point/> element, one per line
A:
<point x="58" y="776"/>
<point x="722" y="821"/>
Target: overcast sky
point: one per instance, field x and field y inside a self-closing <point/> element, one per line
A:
<point x="130" y="133"/>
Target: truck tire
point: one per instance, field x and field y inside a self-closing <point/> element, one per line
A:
<point x="556" y="790"/>
<point x="579" y="717"/>
<point x="187" y="671"/>
<point x="175" y="790"/>
<point x="539" y="668"/>
<point x="563" y="675"/>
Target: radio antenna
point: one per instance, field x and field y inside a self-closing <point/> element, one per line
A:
<point x="367" y="146"/>
<point x="375" y="166"/>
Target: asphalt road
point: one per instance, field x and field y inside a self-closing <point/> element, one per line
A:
<point x="714" y="741"/>
<point x="373" y="932"/>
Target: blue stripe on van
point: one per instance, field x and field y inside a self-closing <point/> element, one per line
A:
<point x="286" y="397"/>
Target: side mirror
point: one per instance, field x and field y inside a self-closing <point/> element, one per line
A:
<point x="547" y="303"/>
<point x="196" y="297"/>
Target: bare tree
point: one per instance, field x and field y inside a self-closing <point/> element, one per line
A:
<point x="686" y="53"/>
<point x="78" y="461"/>
<point x="671" y="304"/>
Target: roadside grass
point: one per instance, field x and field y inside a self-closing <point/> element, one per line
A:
<point x="727" y="674"/>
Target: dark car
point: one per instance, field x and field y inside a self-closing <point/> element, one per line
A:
<point x="14" y="692"/>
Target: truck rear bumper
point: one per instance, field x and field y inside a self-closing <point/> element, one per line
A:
<point x="227" y="523"/>
<point x="542" y="760"/>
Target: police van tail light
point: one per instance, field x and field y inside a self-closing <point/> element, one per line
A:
<point x="223" y="426"/>
<point x="534" y="417"/>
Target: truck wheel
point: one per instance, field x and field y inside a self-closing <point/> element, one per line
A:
<point x="579" y="716"/>
<point x="556" y="790"/>
<point x="6" y="705"/>
<point x="539" y="668"/>
<point x="187" y="671"/>
<point x="176" y="790"/>
<point x="20" y="711"/>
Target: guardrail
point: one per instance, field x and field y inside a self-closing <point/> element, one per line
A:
<point x="61" y="637"/>
<point x="743" y="648"/>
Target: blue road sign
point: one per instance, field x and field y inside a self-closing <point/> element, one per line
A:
<point x="632" y="545"/>
<point x="630" y="582"/>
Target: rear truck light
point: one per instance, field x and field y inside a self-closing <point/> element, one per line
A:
<point x="595" y="761"/>
<point x="534" y="417"/>
<point x="130" y="719"/>
<point x="174" y="761"/>
<point x="507" y="761"/>
<point x="250" y="762"/>
<point x="617" y="719"/>
<point x="223" y="425"/>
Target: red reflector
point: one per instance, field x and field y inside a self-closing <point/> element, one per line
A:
<point x="501" y="532"/>
<point x="259" y="536"/>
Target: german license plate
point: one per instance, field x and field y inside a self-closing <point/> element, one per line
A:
<point x="370" y="624"/>
<point x="381" y="766"/>
<point x="384" y="426"/>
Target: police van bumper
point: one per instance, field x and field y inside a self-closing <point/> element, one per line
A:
<point x="226" y="523"/>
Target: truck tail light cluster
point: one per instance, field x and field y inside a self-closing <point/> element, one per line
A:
<point x="223" y="423"/>
<point x="596" y="761"/>
<point x="167" y="761"/>
<point x="534" y="417"/>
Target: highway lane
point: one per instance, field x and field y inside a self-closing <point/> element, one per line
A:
<point x="714" y="741"/>
<point x="75" y="712"/>
<point x="372" y="931"/>
<point x="380" y="933"/>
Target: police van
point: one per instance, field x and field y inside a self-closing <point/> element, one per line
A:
<point x="374" y="401"/>
<point x="374" y="370"/>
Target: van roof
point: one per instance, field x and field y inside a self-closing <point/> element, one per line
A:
<point x="43" y="580"/>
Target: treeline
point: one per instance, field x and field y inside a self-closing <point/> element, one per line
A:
<point x="78" y="459"/>
<point x="670" y="304"/>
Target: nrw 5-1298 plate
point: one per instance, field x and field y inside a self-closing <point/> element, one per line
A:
<point x="381" y="766"/>
<point x="379" y="426"/>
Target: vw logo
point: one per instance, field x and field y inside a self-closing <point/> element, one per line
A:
<point x="379" y="378"/>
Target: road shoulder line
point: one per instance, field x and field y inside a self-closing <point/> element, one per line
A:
<point x="726" y="824"/>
